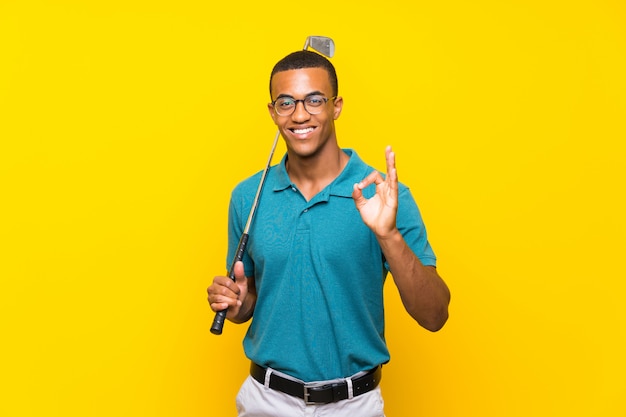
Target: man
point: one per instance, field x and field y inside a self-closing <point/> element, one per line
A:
<point x="327" y="230"/>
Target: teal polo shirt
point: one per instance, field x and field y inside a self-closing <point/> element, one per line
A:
<point x="319" y="273"/>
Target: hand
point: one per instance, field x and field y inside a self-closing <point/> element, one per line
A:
<point x="379" y="212"/>
<point x="225" y="293"/>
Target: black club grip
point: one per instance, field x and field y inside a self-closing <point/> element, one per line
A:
<point x="220" y="316"/>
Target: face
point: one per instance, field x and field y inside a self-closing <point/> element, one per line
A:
<point x="305" y="134"/>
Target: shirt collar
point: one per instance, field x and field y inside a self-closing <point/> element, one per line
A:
<point x="342" y="186"/>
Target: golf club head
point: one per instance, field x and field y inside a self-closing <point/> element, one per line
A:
<point x="322" y="44"/>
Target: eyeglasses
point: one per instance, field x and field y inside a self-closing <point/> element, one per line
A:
<point x="285" y="106"/>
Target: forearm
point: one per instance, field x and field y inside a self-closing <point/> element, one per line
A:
<point x="424" y="294"/>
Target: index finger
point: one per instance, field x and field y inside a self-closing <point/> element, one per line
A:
<point x="392" y="173"/>
<point x="373" y="177"/>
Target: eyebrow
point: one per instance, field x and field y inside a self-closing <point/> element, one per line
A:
<point x="313" y="93"/>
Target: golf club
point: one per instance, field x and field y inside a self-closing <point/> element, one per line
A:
<point x="324" y="46"/>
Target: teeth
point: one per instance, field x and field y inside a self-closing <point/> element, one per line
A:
<point x="302" y="131"/>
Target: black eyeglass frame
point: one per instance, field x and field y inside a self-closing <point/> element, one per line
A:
<point x="303" y="101"/>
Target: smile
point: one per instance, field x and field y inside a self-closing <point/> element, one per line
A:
<point x="302" y="131"/>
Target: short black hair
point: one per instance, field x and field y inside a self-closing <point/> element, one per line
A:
<point x="306" y="59"/>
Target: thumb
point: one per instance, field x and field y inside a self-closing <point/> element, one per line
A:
<point x="240" y="276"/>
<point x="357" y="196"/>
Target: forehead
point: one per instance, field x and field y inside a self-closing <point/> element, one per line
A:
<point x="300" y="82"/>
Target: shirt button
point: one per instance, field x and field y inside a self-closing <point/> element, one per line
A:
<point x="305" y="210"/>
<point x="293" y="188"/>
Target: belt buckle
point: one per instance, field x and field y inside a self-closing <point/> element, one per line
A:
<point x="307" y="394"/>
<point x="312" y="385"/>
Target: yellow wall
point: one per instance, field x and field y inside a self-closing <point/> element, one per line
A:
<point x="125" y="124"/>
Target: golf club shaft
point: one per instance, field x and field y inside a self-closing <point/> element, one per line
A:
<point x="325" y="46"/>
<point x="220" y="316"/>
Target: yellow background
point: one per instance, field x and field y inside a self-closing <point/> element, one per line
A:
<point x="125" y="124"/>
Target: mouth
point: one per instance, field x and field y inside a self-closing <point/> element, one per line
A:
<point x="302" y="131"/>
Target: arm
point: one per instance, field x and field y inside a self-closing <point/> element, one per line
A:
<point x="424" y="294"/>
<point x="238" y="296"/>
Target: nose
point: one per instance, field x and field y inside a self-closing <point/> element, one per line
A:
<point x="299" y="113"/>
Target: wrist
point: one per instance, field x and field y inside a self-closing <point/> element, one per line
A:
<point x="389" y="237"/>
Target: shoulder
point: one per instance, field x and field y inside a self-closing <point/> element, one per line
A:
<point x="247" y="185"/>
<point x="246" y="190"/>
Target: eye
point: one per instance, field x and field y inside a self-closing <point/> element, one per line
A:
<point x="315" y="101"/>
<point x="285" y="102"/>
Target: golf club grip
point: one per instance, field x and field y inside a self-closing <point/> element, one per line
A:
<point x="220" y="316"/>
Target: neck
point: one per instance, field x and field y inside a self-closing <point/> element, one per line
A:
<point x="313" y="174"/>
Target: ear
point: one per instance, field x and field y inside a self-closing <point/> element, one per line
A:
<point x="338" y="105"/>
<point x="273" y="114"/>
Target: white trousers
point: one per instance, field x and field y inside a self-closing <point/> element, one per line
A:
<point x="257" y="400"/>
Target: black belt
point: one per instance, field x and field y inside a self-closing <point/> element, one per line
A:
<point x="319" y="393"/>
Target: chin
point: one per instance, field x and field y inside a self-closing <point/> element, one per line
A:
<point x="304" y="151"/>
